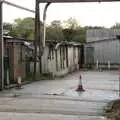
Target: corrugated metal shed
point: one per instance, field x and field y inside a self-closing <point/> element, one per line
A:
<point x="105" y="44"/>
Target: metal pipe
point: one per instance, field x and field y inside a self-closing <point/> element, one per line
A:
<point x="63" y="1"/>
<point x="40" y="43"/>
<point x="1" y="48"/>
<point x="44" y="23"/>
<point x="18" y="6"/>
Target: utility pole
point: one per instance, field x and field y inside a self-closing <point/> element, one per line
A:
<point x="1" y="48"/>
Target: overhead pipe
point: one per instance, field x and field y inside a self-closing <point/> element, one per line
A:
<point x="44" y="23"/>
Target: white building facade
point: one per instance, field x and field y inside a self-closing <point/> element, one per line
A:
<point x="61" y="58"/>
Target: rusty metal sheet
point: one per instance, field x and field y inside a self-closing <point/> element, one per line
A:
<point x="62" y="1"/>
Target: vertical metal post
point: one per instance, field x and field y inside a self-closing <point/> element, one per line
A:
<point x="44" y="31"/>
<point x="40" y="43"/>
<point x="1" y="48"/>
<point x="37" y="34"/>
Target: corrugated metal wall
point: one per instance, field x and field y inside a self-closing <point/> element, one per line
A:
<point x="101" y="34"/>
<point x="104" y="50"/>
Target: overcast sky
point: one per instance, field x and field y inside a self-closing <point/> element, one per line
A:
<point x="87" y="14"/>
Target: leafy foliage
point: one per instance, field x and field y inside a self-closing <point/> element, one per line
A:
<point x="7" y="27"/>
<point x="117" y="25"/>
<point x="74" y="32"/>
<point x="68" y="30"/>
<point x="54" y="31"/>
<point x="24" y="28"/>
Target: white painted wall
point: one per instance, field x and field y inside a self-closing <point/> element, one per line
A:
<point x="49" y="65"/>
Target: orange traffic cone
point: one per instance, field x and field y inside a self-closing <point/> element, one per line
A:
<point x="80" y="87"/>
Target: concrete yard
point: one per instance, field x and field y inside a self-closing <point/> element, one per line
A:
<point x="58" y="100"/>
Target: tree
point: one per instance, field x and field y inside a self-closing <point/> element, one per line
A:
<point x="117" y="25"/>
<point x="80" y="35"/>
<point x="23" y="28"/>
<point x="73" y="31"/>
<point x="54" y="31"/>
<point x="7" y="27"/>
<point x="69" y="34"/>
<point x="71" y="23"/>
